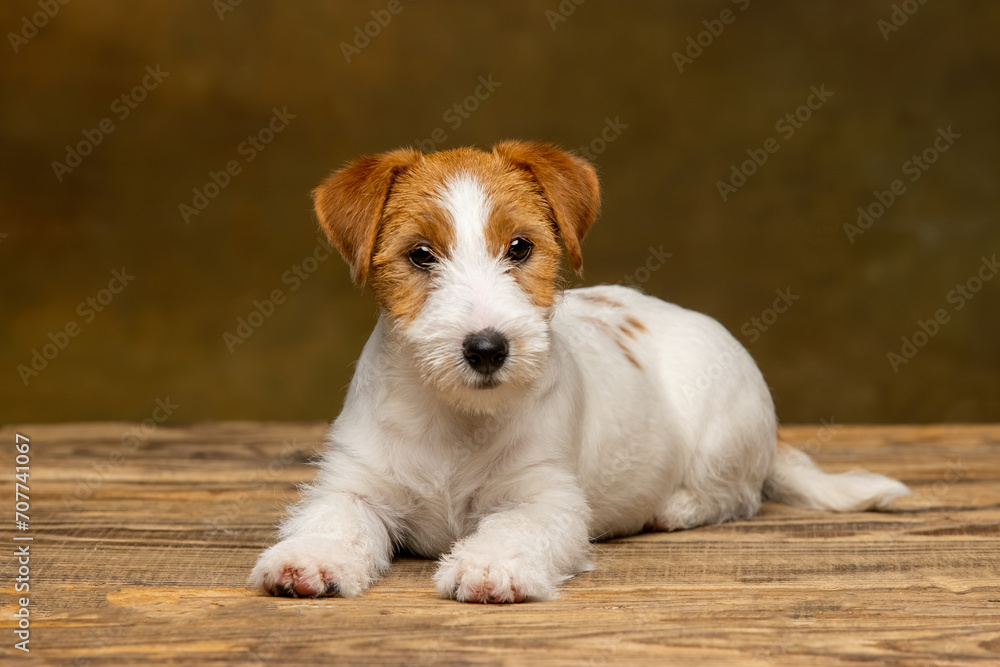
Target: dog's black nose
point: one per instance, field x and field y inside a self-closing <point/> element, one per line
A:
<point x="485" y="351"/>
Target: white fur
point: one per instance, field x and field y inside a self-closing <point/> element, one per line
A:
<point x="508" y="485"/>
<point x="472" y="291"/>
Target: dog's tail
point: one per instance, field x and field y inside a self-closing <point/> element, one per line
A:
<point x="795" y="480"/>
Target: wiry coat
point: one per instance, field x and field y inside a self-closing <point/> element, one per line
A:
<point x="612" y="411"/>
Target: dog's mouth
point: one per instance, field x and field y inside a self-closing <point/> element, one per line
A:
<point x="477" y="376"/>
<point x="491" y="382"/>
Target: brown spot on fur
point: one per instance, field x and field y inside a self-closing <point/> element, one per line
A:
<point x="616" y="336"/>
<point x="634" y="323"/>
<point x="628" y="332"/>
<point x="628" y="353"/>
<point x="600" y="298"/>
<point x="602" y="324"/>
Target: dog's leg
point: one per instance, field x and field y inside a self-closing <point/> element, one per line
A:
<point x="520" y="552"/>
<point x="684" y="509"/>
<point x="333" y="544"/>
<point x="722" y="482"/>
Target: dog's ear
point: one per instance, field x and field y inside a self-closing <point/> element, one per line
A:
<point x="569" y="184"/>
<point x="349" y="205"/>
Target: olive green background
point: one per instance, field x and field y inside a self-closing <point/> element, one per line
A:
<point x="162" y="336"/>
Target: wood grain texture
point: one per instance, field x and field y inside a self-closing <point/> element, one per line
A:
<point x="142" y="559"/>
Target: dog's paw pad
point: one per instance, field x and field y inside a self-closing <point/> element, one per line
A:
<point x="487" y="579"/>
<point x="299" y="581"/>
<point x="308" y="568"/>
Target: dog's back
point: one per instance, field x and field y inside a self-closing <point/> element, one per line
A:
<point x="680" y="423"/>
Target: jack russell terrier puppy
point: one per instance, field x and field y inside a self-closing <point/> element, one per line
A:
<point x="499" y="423"/>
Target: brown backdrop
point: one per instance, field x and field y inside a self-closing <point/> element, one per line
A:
<point x="666" y="97"/>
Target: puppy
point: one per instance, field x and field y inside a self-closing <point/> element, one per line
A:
<point x="500" y="424"/>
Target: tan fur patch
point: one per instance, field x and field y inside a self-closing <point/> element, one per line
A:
<point x="600" y="298"/>
<point x="413" y="215"/>
<point x="409" y="221"/>
<point x="379" y="208"/>
<point x="349" y="204"/>
<point x="636" y="324"/>
<point x="520" y="212"/>
<point x="628" y="353"/>
<point x="616" y="336"/>
<point x="568" y="183"/>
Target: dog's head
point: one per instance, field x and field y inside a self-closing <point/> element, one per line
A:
<point x="461" y="248"/>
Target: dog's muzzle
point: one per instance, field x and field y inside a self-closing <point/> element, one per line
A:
<point x="485" y="351"/>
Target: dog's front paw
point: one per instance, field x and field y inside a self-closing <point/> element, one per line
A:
<point x="469" y="575"/>
<point x="310" y="566"/>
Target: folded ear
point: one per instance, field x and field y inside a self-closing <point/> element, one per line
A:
<point x="569" y="184"/>
<point x="349" y="205"/>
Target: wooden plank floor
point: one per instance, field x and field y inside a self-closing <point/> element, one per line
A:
<point x="141" y="559"/>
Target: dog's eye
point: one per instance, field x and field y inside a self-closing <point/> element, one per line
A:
<point x="520" y="250"/>
<point x="422" y="257"/>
